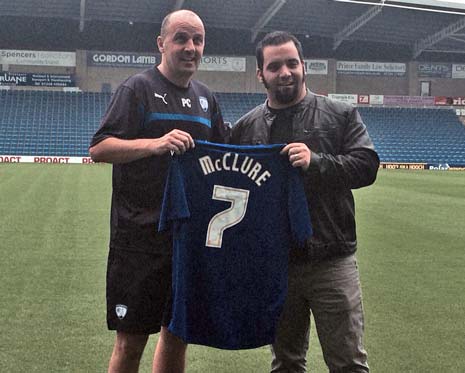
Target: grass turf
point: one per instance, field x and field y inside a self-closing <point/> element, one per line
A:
<point x="53" y="245"/>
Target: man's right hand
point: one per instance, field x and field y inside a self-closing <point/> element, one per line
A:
<point x="115" y="150"/>
<point x="176" y="141"/>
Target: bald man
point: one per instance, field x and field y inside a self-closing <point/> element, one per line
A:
<point x="151" y="115"/>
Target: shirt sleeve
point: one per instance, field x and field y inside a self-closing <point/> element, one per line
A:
<point x="123" y="118"/>
<point x="221" y="132"/>
<point x="175" y="205"/>
<point x="357" y="163"/>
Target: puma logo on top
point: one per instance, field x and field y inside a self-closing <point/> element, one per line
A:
<point x="161" y="97"/>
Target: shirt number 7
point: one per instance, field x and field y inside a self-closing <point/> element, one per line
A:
<point x="229" y="217"/>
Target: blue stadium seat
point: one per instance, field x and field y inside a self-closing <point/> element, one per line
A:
<point x="62" y="123"/>
<point x="427" y="135"/>
<point x="49" y="123"/>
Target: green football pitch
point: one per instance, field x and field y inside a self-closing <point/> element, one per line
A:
<point x="53" y="243"/>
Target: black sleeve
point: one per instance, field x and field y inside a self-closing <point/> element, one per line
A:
<point x="123" y="117"/>
<point x="355" y="167"/>
<point x="221" y="132"/>
<point x="236" y="132"/>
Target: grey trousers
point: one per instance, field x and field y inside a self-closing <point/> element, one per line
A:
<point x="331" y="290"/>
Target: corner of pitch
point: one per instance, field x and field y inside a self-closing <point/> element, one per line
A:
<point x="236" y="163"/>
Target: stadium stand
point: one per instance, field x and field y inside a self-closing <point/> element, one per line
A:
<point x="49" y="122"/>
<point x="58" y="123"/>
<point x="234" y="105"/>
<point x="428" y="135"/>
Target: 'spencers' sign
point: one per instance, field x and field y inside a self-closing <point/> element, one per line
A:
<point x="37" y="58"/>
<point x="121" y="59"/>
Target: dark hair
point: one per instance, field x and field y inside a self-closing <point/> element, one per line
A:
<point x="276" y="38"/>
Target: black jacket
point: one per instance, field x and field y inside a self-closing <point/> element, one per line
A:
<point x="343" y="158"/>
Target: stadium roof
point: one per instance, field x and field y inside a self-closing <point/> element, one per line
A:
<point x="420" y="27"/>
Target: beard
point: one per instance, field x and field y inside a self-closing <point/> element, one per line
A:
<point x="284" y="94"/>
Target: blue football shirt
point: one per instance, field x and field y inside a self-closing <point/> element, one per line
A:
<point x="234" y="212"/>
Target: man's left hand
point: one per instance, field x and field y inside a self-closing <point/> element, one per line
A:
<point x="299" y="154"/>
